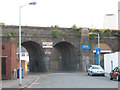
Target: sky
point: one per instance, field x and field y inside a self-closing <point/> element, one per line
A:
<point x="64" y="13"/>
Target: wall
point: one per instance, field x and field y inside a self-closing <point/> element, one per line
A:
<point x="43" y="34"/>
<point x="11" y="60"/>
<point x="10" y="53"/>
<point x="0" y="48"/>
<point x="119" y="15"/>
<point x="107" y="61"/>
<point x="84" y="41"/>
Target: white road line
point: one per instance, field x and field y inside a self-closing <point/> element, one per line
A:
<point x="35" y="81"/>
<point x="32" y="82"/>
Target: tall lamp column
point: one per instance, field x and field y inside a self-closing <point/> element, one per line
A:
<point x="20" y="76"/>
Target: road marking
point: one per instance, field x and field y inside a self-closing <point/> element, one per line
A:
<point x="32" y="82"/>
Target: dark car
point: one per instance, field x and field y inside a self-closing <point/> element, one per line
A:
<point x="115" y="74"/>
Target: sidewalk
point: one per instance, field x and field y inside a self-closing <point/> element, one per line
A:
<point x="27" y="80"/>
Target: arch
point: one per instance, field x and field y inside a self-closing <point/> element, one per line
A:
<point x="36" y="56"/>
<point x="103" y="46"/>
<point x="63" y="57"/>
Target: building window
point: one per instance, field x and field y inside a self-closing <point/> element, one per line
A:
<point x="3" y="46"/>
<point x="3" y="59"/>
<point x="23" y="54"/>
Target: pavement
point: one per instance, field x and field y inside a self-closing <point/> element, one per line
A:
<point x="26" y="81"/>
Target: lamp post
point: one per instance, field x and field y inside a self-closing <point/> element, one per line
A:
<point x="31" y="3"/>
<point x="98" y="41"/>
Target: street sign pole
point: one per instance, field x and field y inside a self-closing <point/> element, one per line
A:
<point x="99" y="47"/>
<point x="98" y="51"/>
<point x="97" y="56"/>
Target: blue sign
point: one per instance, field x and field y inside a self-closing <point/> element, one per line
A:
<point x="92" y="51"/>
<point x="98" y="51"/>
<point x="85" y="46"/>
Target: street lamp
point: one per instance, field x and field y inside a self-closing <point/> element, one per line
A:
<point x="91" y="33"/>
<point x="31" y="3"/>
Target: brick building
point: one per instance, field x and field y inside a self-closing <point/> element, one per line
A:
<point x="9" y="62"/>
<point x="0" y="55"/>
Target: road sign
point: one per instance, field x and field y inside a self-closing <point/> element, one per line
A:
<point x="98" y="51"/>
<point x="99" y="56"/>
<point x="47" y="44"/>
<point x="85" y="46"/>
<point x="92" y="51"/>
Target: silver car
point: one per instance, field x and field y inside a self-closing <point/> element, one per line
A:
<point x="95" y="70"/>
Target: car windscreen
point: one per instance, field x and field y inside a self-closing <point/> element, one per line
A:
<point x="118" y="68"/>
<point x="96" y="67"/>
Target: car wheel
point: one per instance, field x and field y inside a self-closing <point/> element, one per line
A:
<point x="91" y="73"/>
<point x="118" y="78"/>
<point x="111" y="77"/>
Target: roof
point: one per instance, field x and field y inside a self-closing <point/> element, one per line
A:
<point x="103" y="46"/>
<point x="22" y="49"/>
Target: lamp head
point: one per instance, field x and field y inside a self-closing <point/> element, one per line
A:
<point x="32" y="3"/>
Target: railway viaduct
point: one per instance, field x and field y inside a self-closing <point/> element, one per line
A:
<point x="66" y="53"/>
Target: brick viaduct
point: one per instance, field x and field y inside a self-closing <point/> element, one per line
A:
<point x="66" y="53"/>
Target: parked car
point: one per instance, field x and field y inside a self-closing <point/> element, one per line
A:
<point x="115" y="74"/>
<point x="95" y="70"/>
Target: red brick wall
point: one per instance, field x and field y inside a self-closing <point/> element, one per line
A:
<point x="11" y="60"/>
<point x="6" y="52"/>
<point x="0" y="66"/>
<point x="0" y="56"/>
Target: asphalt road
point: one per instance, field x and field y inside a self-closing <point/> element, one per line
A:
<point x="73" y="80"/>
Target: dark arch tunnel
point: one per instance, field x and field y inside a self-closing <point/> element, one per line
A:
<point x="36" y="56"/>
<point x="63" y="57"/>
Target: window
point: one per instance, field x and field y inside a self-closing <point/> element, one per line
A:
<point x="115" y="69"/>
<point x="96" y="68"/>
<point x="23" y="54"/>
<point x="3" y="59"/>
<point x="118" y="69"/>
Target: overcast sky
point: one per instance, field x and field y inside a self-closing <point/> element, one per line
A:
<point x="65" y="13"/>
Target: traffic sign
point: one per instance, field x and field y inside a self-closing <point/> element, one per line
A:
<point x="99" y="56"/>
<point x="85" y="46"/>
<point x="98" y="51"/>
